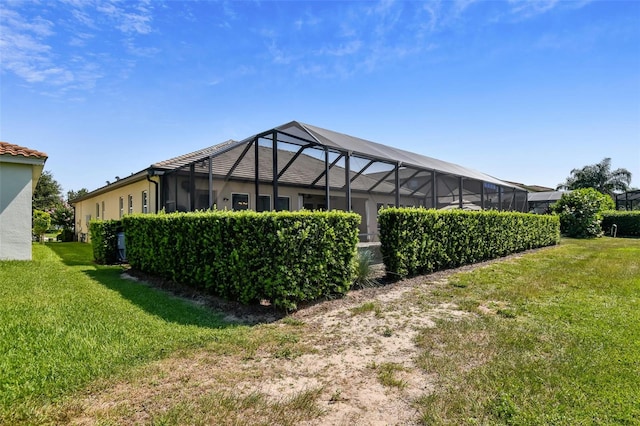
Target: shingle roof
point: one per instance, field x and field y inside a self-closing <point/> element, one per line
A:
<point x="7" y="148"/>
<point x="186" y="159"/>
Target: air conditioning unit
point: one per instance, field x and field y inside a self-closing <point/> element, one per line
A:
<point x="122" y="251"/>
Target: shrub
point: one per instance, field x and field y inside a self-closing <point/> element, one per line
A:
<point x="364" y="269"/>
<point x="41" y="223"/>
<point x="284" y="257"/>
<point x="580" y="212"/>
<point x="417" y="241"/>
<point x="104" y="240"/>
<point x="627" y="223"/>
<point x="65" y="236"/>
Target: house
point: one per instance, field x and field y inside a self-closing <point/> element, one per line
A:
<point x="20" y="169"/>
<point x="299" y="166"/>
<point x="629" y="200"/>
<point x="540" y="202"/>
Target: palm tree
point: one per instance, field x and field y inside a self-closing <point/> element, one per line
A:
<point x="600" y="177"/>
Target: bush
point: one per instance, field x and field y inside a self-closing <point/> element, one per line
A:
<point x="41" y="223"/>
<point x="627" y="223"/>
<point x="284" y="257"/>
<point x="580" y="212"/>
<point x="65" y="236"/>
<point x="364" y="276"/>
<point x="104" y="240"/>
<point x="418" y="241"/>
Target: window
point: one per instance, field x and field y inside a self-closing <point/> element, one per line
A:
<point x="264" y="203"/>
<point x="104" y="213"/>
<point x="283" y="204"/>
<point x="97" y="210"/>
<point x="145" y="202"/>
<point x="121" y="206"/>
<point x="239" y="201"/>
<point x="130" y="202"/>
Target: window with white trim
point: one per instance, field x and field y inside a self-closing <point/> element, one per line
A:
<point x="121" y="206"/>
<point x="130" y="203"/>
<point x="239" y="201"/>
<point x="145" y="202"/>
<point x="283" y="204"/>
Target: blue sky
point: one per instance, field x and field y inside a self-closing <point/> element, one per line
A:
<point x="521" y="90"/>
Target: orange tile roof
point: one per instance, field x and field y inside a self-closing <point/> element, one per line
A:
<point x="7" y="148"/>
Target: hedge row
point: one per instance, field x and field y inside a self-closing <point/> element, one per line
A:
<point x="417" y="241"/>
<point x="628" y="223"/>
<point x="284" y="257"/>
<point x="104" y="240"/>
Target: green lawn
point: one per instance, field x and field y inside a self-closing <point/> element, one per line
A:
<point x="65" y="322"/>
<point x="558" y="340"/>
<point x="553" y="338"/>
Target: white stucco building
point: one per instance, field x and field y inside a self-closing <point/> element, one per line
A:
<point x="20" y="169"/>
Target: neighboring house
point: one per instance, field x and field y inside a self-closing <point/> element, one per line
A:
<point x="296" y="166"/>
<point x="20" y="169"/>
<point x="629" y="200"/>
<point x="540" y="202"/>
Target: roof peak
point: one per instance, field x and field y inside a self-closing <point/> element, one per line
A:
<point x="7" y="148"/>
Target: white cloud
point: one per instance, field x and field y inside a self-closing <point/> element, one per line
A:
<point x="344" y="49"/>
<point x="530" y="8"/>
<point x="67" y="54"/>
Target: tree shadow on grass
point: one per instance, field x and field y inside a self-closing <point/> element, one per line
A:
<point x="170" y="301"/>
<point x="73" y="254"/>
<point x="158" y="303"/>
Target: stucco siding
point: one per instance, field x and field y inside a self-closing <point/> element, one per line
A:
<point x="15" y="211"/>
<point x="106" y="206"/>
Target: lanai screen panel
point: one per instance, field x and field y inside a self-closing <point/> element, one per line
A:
<point x="416" y="187"/>
<point x="471" y="194"/>
<point x="521" y="201"/>
<point x="344" y="142"/>
<point x="491" y="196"/>
<point x="508" y="199"/>
<point x="448" y="191"/>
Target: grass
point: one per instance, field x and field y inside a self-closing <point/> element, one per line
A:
<point x="549" y="338"/>
<point x="387" y="374"/>
<point x="554" y="340"/>
<point x="220" y="408"/>
<point x="67" y="323"/>
<point x="367" y="307"/>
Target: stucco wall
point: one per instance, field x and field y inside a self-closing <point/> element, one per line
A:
<point x="111" y="202"/>
<point x="15" y="211"/>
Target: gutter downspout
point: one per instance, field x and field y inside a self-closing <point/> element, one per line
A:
<point x="150" y="173"/>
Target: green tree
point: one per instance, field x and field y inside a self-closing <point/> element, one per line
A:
<point x="48" y="193"/>
<point x="599" y="177"/>
<point x="72" y="195"/>
<point x="63" y="217"/>
<point x="41" y="222"/>
<point x="580" y="212"/>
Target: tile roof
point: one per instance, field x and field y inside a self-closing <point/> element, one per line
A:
<point x="7" y="148"/>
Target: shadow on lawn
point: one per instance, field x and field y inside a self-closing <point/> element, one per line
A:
<point x="169" y="301"/>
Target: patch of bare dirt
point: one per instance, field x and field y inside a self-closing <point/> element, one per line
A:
<point x="347" y="345"/>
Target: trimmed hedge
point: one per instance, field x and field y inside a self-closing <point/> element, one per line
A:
<point x="104" y="240"/>
<point x="418" y="241"/>
<point x="628" y="223"/>
<point x="283" y="257"/>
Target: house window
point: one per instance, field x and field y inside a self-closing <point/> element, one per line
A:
<point x="283" y="204"/>
<point x="130" y="202"/>
<point x="104" y="213"/>
<point x="145" y="202"/>
<point x="97" y="210"/>
<point x="264" y="203"/>
<point x="239" y="201"/>
<point x="121" y="206"/>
